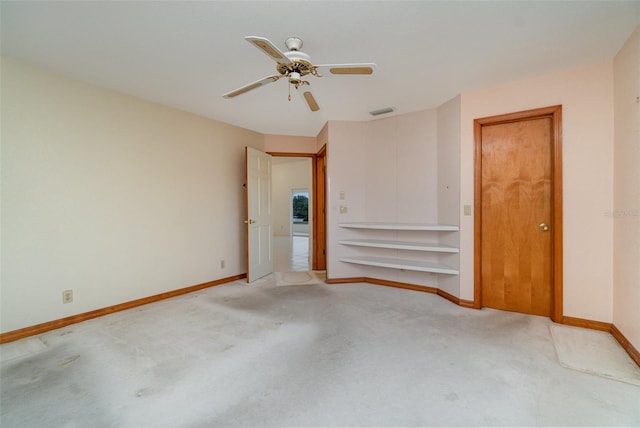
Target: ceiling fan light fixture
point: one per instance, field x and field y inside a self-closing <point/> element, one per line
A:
<point x="295" y="65"/>
<point x="381" y="111"/>
<point x="294" y="78"/>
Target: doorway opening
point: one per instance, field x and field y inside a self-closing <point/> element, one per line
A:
<point x="299" y="256"/>
<point x="300" y="242"/>
<point x="292" y="201"/>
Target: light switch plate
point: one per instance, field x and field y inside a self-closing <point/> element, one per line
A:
<point x="343" y="209"/>
<point x="467" y="210"/>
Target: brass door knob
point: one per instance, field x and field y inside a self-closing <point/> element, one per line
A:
<point x="544" y="227"/>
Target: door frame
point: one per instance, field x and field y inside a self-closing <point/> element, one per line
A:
<point x="555" y="114"/>
<point x="318" y="245"/>
<point x="319" y="209"/>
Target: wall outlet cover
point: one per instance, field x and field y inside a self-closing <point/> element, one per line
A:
<point x="67" y="296"/>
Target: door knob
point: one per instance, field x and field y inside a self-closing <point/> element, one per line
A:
<point x="250" y="221"/>
<point x="544" y="227"/>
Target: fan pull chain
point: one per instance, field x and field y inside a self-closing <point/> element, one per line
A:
<point x="289" y="91"/>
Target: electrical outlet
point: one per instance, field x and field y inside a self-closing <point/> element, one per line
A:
<point x="222" y="264"/>
<point x="67" y="296"/>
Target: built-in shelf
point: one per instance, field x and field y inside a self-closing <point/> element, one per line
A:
<point x="400" y="245"/>
<point x="402" y="226"/>
<point x="400" y="263"/>
<point x="414" y="265"/>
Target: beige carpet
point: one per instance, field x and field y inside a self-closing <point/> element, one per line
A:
<point x="296" y="278"/>
<point x="320" y="355"/>
<point x="21" y="348"/>
<point x="594" y="352"/>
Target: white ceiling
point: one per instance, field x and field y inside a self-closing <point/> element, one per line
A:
<point x="187" y="54"/>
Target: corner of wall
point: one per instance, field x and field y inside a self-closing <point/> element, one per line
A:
<point x="625" y="215"/>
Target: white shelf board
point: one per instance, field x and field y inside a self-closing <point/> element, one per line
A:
<point x="401" y="264"/>
<point x="400" y="245"/>
<point x="402" y="226"/>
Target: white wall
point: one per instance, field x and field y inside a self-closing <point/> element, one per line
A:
<point x="110" y="196"/>
<point x="625" y="214"/>
<point x="289" y="174"/>
<point x="586" y="95"/>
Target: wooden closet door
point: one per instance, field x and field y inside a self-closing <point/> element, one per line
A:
<point x="516" y="216"/>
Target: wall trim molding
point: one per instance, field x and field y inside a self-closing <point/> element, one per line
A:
<point x="609" y="328"/>
<point x="626" y="345"/>
<point x="10" y="336"/>
<point x="406" y="286"/>
<point x="584" y="323"/>
<point x="345" y="280"/>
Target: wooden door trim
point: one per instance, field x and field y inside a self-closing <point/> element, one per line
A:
<point x="315" y="215"/>
<point x="555" y="114"/>
<point x="319" y="211"/>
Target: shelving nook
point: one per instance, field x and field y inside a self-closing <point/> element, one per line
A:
<point x="397" y="262"/>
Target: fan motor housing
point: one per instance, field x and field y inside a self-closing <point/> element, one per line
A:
<point x="295" y="66"/>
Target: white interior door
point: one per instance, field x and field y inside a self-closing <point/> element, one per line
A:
<point x="259" y="227"/>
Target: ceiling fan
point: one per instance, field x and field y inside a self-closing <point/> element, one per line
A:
<point x="294" y="65"/>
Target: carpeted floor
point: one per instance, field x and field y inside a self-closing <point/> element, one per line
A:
<point x="595" y="352"/>
<point x="296" y="278"/>
<point x="304" y="355"/>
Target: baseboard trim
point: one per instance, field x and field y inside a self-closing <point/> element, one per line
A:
<point x="11" y="336"/>
<point x="345" y="280"/>
<point x="458" y="301"/>
<point x="626" y="345"/>
<point x="609" y="328"/>
<point x="584" y="323"/>
<point x="406" y="286"/>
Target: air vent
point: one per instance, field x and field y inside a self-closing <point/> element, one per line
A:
<point x="381" y="111"/>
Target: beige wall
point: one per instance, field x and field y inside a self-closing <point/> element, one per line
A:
<point x="449" y="187"/>
<point x="110" y="196"/>
<point x="369" y="162"/>
<point x="586" y="95"/>
<point x="323" y="138"/>
<point x="289" y="144"/>
<point x="625" y="215"/>
<point x="346" y="143"/>
<point x="388" y="171"/>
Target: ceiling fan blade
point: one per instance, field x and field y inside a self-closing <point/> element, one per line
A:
<point x="364" y="68"/>
<point x="251" y="86"/>
<point x="268" y="48"/>
<point x="311" y="101"/>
